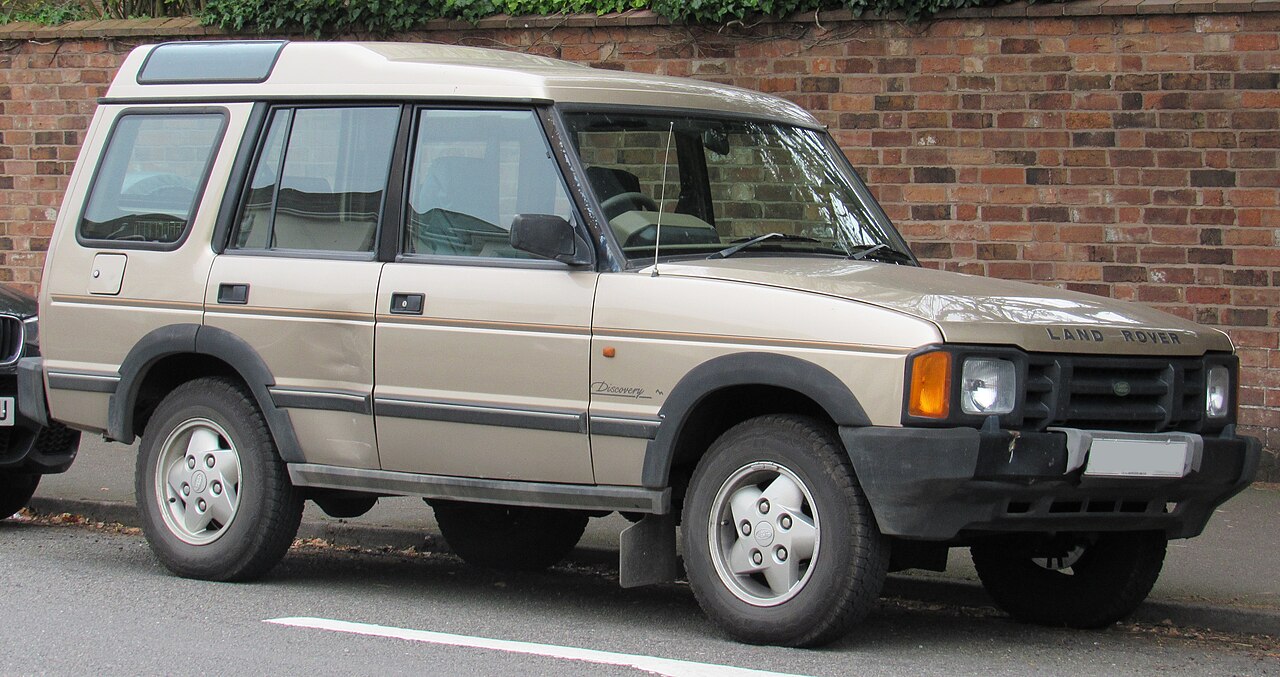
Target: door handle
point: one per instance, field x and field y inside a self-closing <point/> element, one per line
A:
<point x="237" y="294"/>
<point x="407" y="304"/>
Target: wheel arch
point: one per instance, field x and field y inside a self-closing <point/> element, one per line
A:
<point x="727" y="390"/>
<point x="171" y="355"/>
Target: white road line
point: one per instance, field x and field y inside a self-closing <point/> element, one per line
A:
<point x="661" y="666"/>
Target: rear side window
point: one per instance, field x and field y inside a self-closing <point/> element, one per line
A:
<point x="153" y="171"/>
<point x="319" y="180"/>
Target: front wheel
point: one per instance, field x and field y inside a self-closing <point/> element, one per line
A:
<point x="215" y="498"/>
<point x="16" y="489"/>
<point x="1084" y="582"/>
<point x="780" y="543"/>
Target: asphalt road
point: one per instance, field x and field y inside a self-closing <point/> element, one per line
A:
<point x="76" y="600"/>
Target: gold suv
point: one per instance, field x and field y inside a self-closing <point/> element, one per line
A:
<point x="532" y="293"/>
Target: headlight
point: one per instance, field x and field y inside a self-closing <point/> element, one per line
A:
<point x="1217" y="392"/>
<point x="31" y="331"/>
<point x="988" y="386"/>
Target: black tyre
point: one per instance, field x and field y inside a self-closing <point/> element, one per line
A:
<point x="215" y="498"/>
<point x="1080" y="583"/>
<point x="16" y="489"/>
<point x="780" y="543"/>
<point x="511" y="538"/>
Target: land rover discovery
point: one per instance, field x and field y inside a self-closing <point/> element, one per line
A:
<point x="532" y="292"/>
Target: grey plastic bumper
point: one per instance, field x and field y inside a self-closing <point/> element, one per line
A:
<point x="943" y="485"/>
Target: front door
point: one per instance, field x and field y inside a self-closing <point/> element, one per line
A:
<point x="482" y="367"/>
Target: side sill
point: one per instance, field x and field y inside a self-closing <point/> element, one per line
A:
<point x="508" y="492"/>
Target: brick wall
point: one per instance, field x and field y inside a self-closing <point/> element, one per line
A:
<point x="1126" y="148"/>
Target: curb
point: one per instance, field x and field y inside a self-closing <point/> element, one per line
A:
<point x="1220" y="618"/>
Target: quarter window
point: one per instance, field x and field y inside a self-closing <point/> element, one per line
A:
<point x="319" y="180"/>
<point x="152" y="172"/>
<point x="473" y="171"/>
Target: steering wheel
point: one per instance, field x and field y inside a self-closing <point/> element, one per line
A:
<point x="631" y="200"/>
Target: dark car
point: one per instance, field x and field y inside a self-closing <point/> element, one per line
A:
<point x="29" y="446"/>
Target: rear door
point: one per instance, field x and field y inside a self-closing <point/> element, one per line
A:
<point x="299" y="276"/>
<point x="482" y="366"/>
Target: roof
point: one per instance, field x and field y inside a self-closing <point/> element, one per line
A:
<point x="248" y="70"/>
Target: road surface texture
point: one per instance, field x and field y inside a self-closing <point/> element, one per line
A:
<point x="81" y="598"/>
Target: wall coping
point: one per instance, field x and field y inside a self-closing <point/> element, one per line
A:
<point x="191" y="27"/>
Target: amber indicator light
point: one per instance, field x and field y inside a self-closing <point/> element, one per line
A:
<point x="608" y="351"/>
<point x="930" y="386"/>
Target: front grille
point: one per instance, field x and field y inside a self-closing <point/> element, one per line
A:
<point x="10" y="339"/>
<point x="1114" y="393"/>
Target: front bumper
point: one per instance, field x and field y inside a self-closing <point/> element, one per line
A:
<point x="956" y="483"/>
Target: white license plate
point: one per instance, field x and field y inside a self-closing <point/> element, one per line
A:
<point x="1156" y="457"/>
<point x="7" y="410"/>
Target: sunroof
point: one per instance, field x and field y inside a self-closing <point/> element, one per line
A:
<point x="215" y="61"/>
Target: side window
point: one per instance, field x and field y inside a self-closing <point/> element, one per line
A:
<point x="153" y="170"/>
<point x="319" y="179"/>
<point x="472" y="172"/>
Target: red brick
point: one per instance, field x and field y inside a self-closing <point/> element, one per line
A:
<point x="1083" y="120"/>
<point x="1255" y="42"/>
<point x="1130" y="156"/>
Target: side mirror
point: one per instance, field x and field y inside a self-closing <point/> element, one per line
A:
<point x="716" y="141"/>
<point x="550" y="237"/>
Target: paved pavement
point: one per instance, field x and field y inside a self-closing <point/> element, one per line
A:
<point x="1227" y="579"/>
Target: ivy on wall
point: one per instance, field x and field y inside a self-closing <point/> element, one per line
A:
<point x="49" y="13"/>
<point x="382" y="17"/>
<point x="330" y="17"/>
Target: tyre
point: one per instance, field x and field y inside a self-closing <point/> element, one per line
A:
<point x="512" y="538"/>
<point x="16" y="489"/>
<point x="1080" y="583"/>
<point x="780" y="544"/>
<point x="214" y="496"/>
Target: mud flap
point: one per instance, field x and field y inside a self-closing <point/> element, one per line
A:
<point x="647" y="552"/>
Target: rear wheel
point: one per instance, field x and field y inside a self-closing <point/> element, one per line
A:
<point x="513" y="538"/>
<point x="1085" y="582"/>
<point x="779" y="541"/>
<point x="16" y="489"/>
<point x="215" y="498"/>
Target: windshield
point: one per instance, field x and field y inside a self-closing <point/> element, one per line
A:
<point x="720" y="184"/>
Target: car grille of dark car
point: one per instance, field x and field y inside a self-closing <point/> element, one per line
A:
<point x="10" y="339"/>
<point x="1114" y="393"/>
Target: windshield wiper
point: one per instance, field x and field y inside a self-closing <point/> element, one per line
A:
<point x="881" y="252"/>
<point x="730" y="251"/>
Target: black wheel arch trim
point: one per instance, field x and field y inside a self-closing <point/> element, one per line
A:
<point x="177" y="339"/>
<point x="743" y="369"/>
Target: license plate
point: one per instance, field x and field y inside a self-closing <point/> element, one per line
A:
<point x="6" y="411"/>
<point x="1154" y="457"/>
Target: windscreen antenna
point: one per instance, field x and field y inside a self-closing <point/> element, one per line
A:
<point x="662" y="197"/>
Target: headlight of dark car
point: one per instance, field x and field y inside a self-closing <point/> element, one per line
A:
<point x="31" y="335"/>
